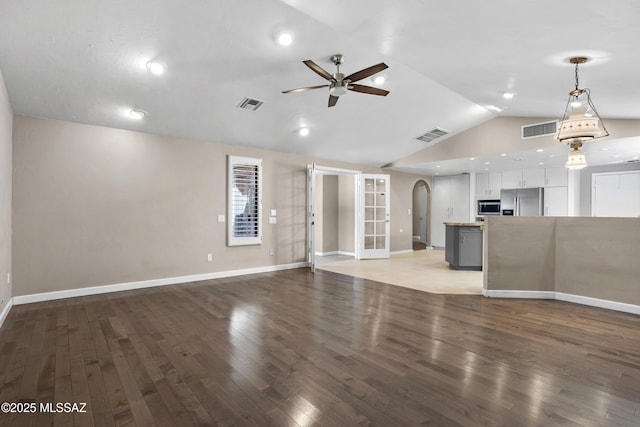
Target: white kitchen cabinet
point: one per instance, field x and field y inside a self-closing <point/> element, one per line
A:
<point x="556" y="177"/>
<point x="555" y="201"/>
<point x="616" y="194"/>
<point x="449" y="203"/>
<point x="523" y="178"/>
<point x="488" y="185"/>
<point x="532" y="178"/>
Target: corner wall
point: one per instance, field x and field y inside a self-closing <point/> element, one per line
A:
<point x="6" y="161"/>
<point x="591" y="261"/>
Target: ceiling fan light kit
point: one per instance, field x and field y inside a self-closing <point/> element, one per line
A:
<point x="339" y="84"/>
<point x="580" y="122"/>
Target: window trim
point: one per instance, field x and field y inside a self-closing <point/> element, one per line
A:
<point x="233" y="162"/>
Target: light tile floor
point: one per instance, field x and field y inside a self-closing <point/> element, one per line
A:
<point x="425" y="270"/>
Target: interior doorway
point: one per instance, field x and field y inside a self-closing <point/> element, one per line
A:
<point x="332" y="204"/>
<point x="421" y="218"/>
<point x="335" y="217"/>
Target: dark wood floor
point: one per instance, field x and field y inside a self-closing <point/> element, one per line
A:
<point x="290" y="348"/>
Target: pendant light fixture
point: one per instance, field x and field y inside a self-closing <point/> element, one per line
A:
<point x="580" y="122"/>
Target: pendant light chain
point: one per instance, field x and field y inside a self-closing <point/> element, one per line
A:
<point x="577" y="76"/>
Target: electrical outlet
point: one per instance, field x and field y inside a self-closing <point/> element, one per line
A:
<point x="271" y="252"/>
<point x="209" y="257"/>
<point x="220" y="218"/>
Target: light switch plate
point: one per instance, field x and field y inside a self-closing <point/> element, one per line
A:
<point x="220" y="218"/>
<point x="274" y="212"/>
<point x="273" y="220"/>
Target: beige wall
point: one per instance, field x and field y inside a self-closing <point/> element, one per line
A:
<point x="598" y="258"/>
<point x="590" y="257"/>
<point x="346" y="213"/>
<point x="519" y="253"/>
<point x="6" y="118"/>
<point x="503" y="135"/>
<point x="330" y="218"/>
<point x="97" y="206"/>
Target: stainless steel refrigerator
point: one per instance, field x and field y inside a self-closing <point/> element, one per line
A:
<point x="522" y="202"/>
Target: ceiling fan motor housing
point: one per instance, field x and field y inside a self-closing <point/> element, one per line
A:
<point x="338" y="86"/>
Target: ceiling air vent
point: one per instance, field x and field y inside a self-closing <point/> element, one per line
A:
<point x="432" y="135"/>
<point x="539" y="129"/>
<point x="250" y="104"/>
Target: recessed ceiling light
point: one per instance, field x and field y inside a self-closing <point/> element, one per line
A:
<point x="137" y="114"/>
<point x="437" y="173"/>
<point x="494" y="108"/>
<point x="517" y="159"/>
<point x="486" y="169"/>
<point x="604" y="149"/>
<point x="552" y="155"/>
<point x="472" y="158"/>
<point x="157" y="68"/>
<point x="437" y="166"/>
<point x="539" y="150"/>
<point x="379" y="80"/>
<point x="508" y="95"/>
<point x="285" y="39"/>
<point x="304" y="131"/>
<point x="503" y="154"/>
<point x="487" y="163"/>
<point x="541" y="163"/>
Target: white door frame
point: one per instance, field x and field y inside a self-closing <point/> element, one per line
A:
<point x="313" y="170"/>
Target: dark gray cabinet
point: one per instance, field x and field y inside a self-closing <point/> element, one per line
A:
<point x="463" y="247"/>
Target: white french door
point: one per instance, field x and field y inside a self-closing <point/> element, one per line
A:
<point x="375" y="216"/>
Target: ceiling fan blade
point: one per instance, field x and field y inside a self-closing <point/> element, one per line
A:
<point x="369" y="71"/>
<point x="368" y="89"/>
<point x="304" y="89"/>
<point x="318" y="69"/>
<point x="332" y="100"/>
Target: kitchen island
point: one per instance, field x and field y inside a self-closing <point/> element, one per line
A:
<point x="463" y="245"/>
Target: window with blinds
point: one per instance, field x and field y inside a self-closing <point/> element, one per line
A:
<point x="244" y="205"/>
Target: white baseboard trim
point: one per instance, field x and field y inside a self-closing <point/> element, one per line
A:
<point x="596" y="302"/>
<point x="327" y="253"/>
<point x="335" y="253"/>
<point x="519" y="294"/>
<point x="5" y="311"/>
<point x="577" y="299"/>
<point x="95" y="290"/>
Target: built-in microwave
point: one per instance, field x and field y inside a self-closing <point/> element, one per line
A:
<point x="488" y="207"/>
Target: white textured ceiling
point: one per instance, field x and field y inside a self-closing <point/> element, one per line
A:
<point x="84" y="61"/>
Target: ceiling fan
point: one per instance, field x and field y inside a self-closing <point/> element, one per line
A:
<point x="339" y="84"/>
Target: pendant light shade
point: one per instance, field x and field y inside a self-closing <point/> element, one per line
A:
<point x="577" y="159"/>
<point x="580" y="122"/>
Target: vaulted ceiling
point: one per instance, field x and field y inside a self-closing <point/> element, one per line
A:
<point x="85" y="61"/>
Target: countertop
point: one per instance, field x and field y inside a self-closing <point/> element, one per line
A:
<point x="465" y="224"/>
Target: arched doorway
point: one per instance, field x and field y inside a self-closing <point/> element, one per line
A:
<point x="420" y="215"/>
